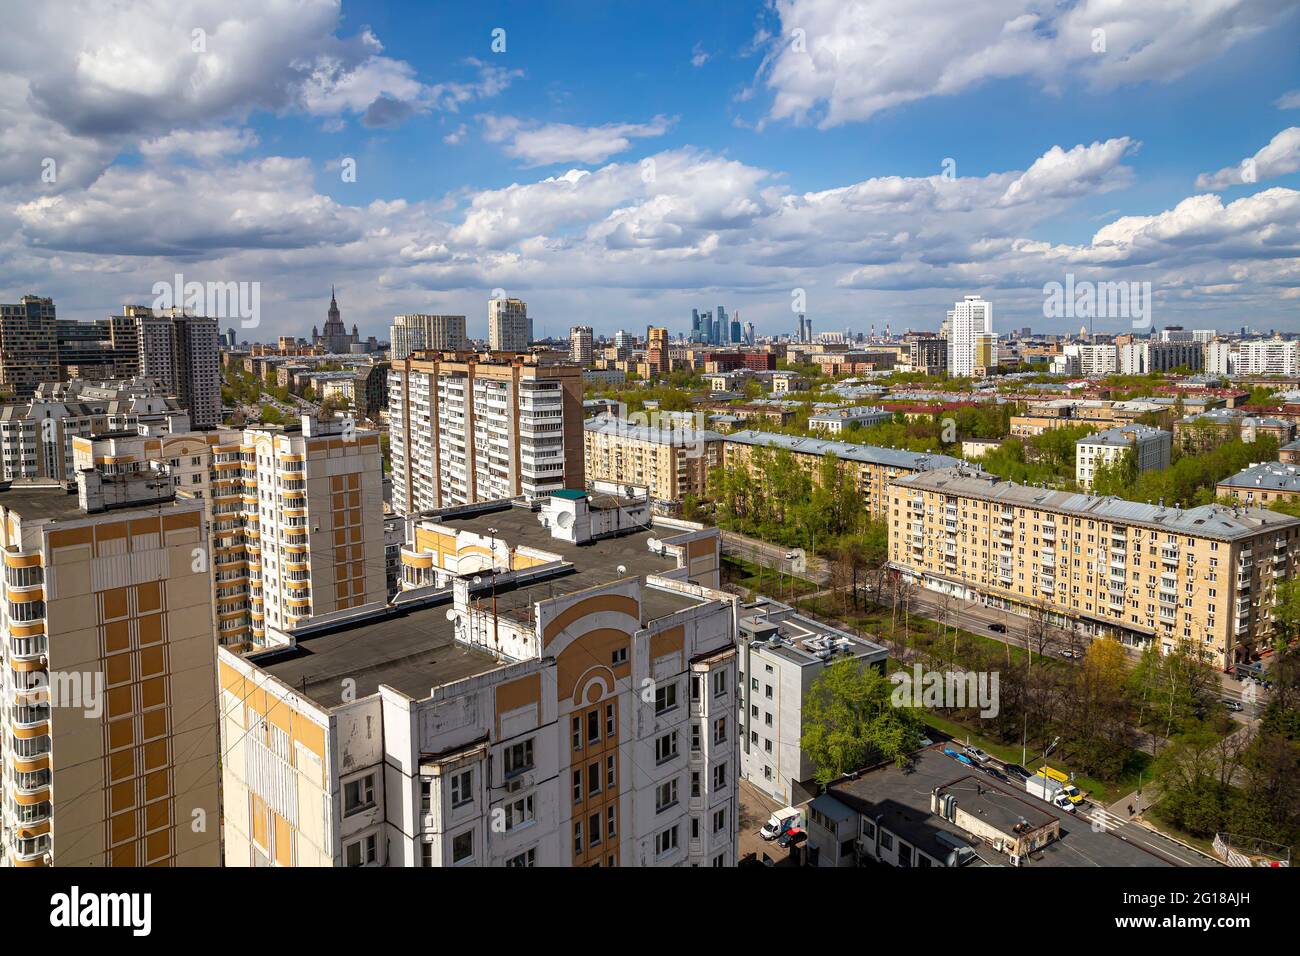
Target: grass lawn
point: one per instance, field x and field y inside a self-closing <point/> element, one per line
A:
<point x="761" y="580"/>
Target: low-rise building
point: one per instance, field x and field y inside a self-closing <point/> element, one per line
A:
<point x="1149" y="447"/>
<point x="1263" y="484"/>
<point x="1204" y="431"/>
<point x="782" y="653"/>
<point x="835" y="420"/>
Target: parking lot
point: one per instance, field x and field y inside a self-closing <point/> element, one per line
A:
<point x="755" y="808"/>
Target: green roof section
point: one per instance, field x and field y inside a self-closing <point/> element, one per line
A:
<point x="569" y="494"/>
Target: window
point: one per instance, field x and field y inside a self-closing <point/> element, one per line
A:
<point x="577" y="733"/>
<point x="519" y="812"/>
<point x="462" y="790"/>
<point x="665" y="795"/>
<point x="426" y="854"/>
<point x="611" y="772"/>
<point x="577" y="786"/>
<point x="426" y="795"/>
<point x="720" y="682"/>
<point x="611" y="821"/>
<point x="720" y="730"/>
<point x="886" y="840"/>
<point x="519" y="758"/>
<point x="593" y="779"/>
<point x="363" y="852"/>
<point x="593" y="726"/>
<point x="527" y="858"/>
<point x="619" y="656"/>
<point x="719" y="776"/>
<point x="462" y="847"/>
<point x="577" y="837"/>
<point x="666" y="747"/>
<point x="695" y="783"/>
<point x="593" y="828"/>
<point x="359" y="794"/>
<point x="609" y="720"/>
<point x="665" y="698"/>
<point x="666" y="841"/>
<point x="695" y="737"/>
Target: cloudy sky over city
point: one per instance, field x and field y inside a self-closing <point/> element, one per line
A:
<point x="618" y="163"/>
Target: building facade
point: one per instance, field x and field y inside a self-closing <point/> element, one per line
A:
<point x="29" y="345"/>
<point x="1141" y="573"/>
<point x="969" y="321"/>
<point x="672" y="462"/>
<point x="466" y="428"/>
<point x="1151" y="449"/>
<point x="509" y="328"/>
<point x="418" y="332"/>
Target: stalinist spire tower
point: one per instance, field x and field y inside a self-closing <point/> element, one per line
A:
<point x="334" y="336"/>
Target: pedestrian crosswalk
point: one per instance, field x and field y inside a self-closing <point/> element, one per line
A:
<point x="1102" y="820"/>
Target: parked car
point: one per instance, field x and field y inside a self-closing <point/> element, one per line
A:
<point x="976" y="754"/>
<point x="1069" y="652"/>
<point x="999" y="628"/>
<point x="995" y="773"/>
<point x="791" y="838"/>
<point x="779" y="822"/>
<point x="1015" y="770"/>
<point x="1235" y="706"/>
<point x="959" y="756"/>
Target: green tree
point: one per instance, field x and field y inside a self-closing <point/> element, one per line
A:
<point x="851" y="722"/>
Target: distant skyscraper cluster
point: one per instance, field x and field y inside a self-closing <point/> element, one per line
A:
<point x="716" y="327"/>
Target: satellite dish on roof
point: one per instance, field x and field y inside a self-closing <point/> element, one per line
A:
<point x="451" y="614"/>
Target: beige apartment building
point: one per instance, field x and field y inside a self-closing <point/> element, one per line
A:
<point x="1141" y="573"/>
<point x="570" y="702"/>
<point x="466" y="428"/>
<point x="672" y="460"/>
<point x="109" y="729"/>
<point x="297" y="527"/>
<point x="871" y="466"/>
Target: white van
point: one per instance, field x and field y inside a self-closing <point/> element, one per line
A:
<point x="779" y="822"/>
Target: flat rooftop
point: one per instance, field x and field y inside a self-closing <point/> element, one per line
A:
<point x="594" y="563"/>
<point x="414" y="650"/>
<point x="51" y="501"/>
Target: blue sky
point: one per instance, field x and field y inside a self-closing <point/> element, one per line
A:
<point x="620" y="163"/>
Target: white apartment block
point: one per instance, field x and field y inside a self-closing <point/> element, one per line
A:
<point x="782" y="653"/>
<point x="1095" y="360"/>
<point x="477" y="428"/>
<point x="1151" y="449"/>
<point x="1269" y="357"/>
<point x="416" y="332"/>
<point x="1221" y="358"/>
<point x="966" y="321"/>
<point x="567" y="706"/>
<point x="509" y="328"/>
<point x="1140" y="358"/>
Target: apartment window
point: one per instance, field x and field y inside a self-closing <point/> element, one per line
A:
<point x="611" y="772"/>
<point x="666" y="841"/>
<point x="358" y="794"/>
<point x="577" y="836"/>
<point x="519" y="812"/>
<point x="577" y="786"/>
<point x="593" y="829"/>
<point x="665" y="698"/>
<point x="462" y="788"/>
<point x="665" y="795"/>
<point x="611" y="822"/>
<point x="720" y="860"/>
<point x="363" y="852"/>
<point x="593" y="726"/>
<point x="695" y="737"/>
<point x="719" y="821"/>
<point x="720" y="730"/>
<point x="719" y="776"/>
<point x="886" y="840"/>
<point x="426" y="854"/>
<point x="610" y="723"/>
<point x="695" y="828"/>
<point x="528" y="858"/>
<point x="426" y="795"/>
<point x="697" y="687"/>
<point x="518" y="758"/>
<point x="462" y="847"/>
<point x="619" y="656"/>
<point x="767" y="691"/>
<point x="577" y="733"/>
<point x="593" y="779"/>
<point x="666" y="747"/>
<point x="720" y="682"/>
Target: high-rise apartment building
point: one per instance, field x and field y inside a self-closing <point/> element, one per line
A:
<point x="1144" y="574"/>
<point x="572" y="704"/>
<point x="418" y="332"/>
<point x="180" y="352"/>
<point x="29" y="345"/>
<point x="467" y="428"/>
<point x="970" y="323"/>
<point x="509" y="328"/>
<point x="109" y="724"/>
<point x="1142" y="357"/>
<point x="580" y="338"/>
<point x="656" y="354"/>
<point x="1268" y="357"/>
<point x="297" y="527"/>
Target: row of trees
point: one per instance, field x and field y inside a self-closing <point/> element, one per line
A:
<point x="1189" y="480"/>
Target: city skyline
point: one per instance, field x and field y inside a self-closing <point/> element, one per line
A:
<point x="708" y="157"/>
